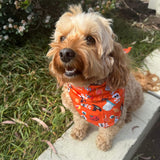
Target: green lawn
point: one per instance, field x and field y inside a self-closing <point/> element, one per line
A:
<point x="28" y="91"/>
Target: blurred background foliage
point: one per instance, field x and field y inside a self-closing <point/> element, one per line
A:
<point x="20" y="16"/>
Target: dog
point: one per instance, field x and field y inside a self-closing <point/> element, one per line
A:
<point x="98" y="86"/>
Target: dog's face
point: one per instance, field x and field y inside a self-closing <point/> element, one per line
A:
<point x="83" y="48"/>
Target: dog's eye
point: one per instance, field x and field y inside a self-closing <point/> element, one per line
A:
<point x="62" y="38"/>
<point x="90" y="40"/>
<point x="111" y="54"/>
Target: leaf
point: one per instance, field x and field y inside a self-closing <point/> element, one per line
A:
<point x="40" y="122"/>
<point x="50" y="145"/>
<point x="145" y="158"/>
<point x="134" y="127"/>
<point x="137" y="157"/>
<point x="29" y="105"/>
<point x="8" y="122"/>
<point x="147" y="40"/>
<point x="19" y="121"/>
<point x="69" y="124"/>
<point x="141" y="157"/>
<point x="54" y="133"/>
<point x="133" y="43"/>
<point x="45" y="110"/>
<point x="62" y="109"/>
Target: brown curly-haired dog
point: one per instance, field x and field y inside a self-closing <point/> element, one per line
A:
<point x="85" y="53"/>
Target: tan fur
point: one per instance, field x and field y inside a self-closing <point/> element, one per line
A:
<point x="103" y="61"/>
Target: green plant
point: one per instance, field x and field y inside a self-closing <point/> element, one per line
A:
<point x="20" y="16"/>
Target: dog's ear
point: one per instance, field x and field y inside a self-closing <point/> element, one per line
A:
<point x="50" y="53"/>
<point x="120" y="70"/>
<point x="106" y="36"/>
<point x="51" y="70"/>
<point x="53" y="74"/>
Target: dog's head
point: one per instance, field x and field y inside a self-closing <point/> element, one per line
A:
<point x="83" y="50"/>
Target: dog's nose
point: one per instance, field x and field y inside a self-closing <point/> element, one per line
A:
<point x="67" y="54"/>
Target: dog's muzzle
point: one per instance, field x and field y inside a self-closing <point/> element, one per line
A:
<point x="66" y="55"/>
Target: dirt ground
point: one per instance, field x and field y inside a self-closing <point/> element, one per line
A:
<point x="137" y="11"/>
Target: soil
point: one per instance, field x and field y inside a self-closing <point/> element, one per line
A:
<point x="136" y="10"/>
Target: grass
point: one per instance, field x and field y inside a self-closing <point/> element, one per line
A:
<point x="130" y="36"/>
<point x="26" y="88"/>
<point x="28" y="91"/>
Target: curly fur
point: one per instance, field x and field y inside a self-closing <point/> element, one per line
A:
<point x="103" y="61"/>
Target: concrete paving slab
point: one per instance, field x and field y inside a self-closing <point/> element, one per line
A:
<point x="70" y="149"/>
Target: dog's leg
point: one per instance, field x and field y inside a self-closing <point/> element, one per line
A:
<point x="105" y="137"/>
<point x="80" y="127"/>
<point x="128" y="117"/>
<point x="134" y="97"/>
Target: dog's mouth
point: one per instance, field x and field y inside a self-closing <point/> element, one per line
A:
<point x="71" y="72"/>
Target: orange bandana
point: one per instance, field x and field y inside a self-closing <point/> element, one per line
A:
<point x="97" y="104"/>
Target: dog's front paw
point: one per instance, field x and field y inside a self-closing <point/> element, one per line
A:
<point x="77" y="133"/>
<point x="102" y="143"/>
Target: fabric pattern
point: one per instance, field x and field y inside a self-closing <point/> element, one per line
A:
<point x="98" y="104"/>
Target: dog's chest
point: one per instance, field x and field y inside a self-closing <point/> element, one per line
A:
<point x="97" y="104"/>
